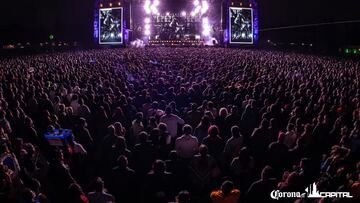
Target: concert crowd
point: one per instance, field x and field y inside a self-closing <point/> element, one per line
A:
<point x="183" y="125"/>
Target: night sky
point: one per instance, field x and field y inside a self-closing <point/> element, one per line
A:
<point x="34" y="20"/>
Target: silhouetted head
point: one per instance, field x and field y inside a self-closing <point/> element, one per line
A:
<point x="235" y="131"/>
<point x="213" y="130"/>
<point x="203" y="150"/>
<point x="168" y="110"/>
<point x="187" y="129"/>
<point x="98" y="184"/>
<point x="159" y="166"/>
<point x="227" y="187"/>
<point x="122" y="162"/>
<point x="267" y="173"/>
<point x="183" y="197"/>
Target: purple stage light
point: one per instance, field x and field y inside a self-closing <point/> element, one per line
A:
<point x="254" y="6"/>
<point x="206" y="27"/>
<point x="206" y="33"/>
<point x="204" y="7"/>
<point x="205" y="21"/>
<point x="147" y="9"/>
<point x="153" y="8"/>
<point x="147" y="32"/>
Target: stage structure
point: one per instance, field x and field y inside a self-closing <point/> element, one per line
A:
<point x="241" y="23"/>
<point x="110" y="22"/>
<point x="110" y="25"/>
<point x="176" y="23"/>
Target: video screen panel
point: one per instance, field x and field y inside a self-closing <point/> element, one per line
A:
<point x="110" y="25"/>
<point x="241" y="25"/>
<point x="174" y="26"/>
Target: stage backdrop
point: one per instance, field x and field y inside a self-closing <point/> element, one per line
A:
<point x="171" y="26"/>
<point x="110" y="25"/>
<point x="241" y="25"/>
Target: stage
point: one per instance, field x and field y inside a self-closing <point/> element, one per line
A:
<point x="176" y="23"/>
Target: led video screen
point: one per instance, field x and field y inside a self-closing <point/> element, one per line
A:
<point x="174" y="26"/>
<point x="241" y="25"/>
<point x="110" y="22"/>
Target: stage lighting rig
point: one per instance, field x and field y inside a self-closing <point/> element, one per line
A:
<point x="200" y="8"/>
<point x="204" y="7"/>
<point x="147" y="32"/>
<point x="206" y="27"/>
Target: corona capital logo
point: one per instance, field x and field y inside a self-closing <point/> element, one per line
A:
<point x="310" y="192"/>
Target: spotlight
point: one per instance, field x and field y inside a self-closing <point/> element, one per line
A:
<point x="196" y="2"/>
<point x="197" y="9"/>
<point x="110" y="4"/>
<point x="250" y="5"/>
<point x="167" y="13"/>
<point x="147" y="26"/>
<point x="192" y="13"/>
<point x="147" y="2"/>
<point x="204" y="7"/>
<point x="183" y="13"/>
<point x="112" y="35"/>
<point x="154" y="9"/>
<point x="156" y="2"/>
<point x="147" y="32"/>
<point x="206" y="27"/>
<point x="147" y="9"/>
<point x="147" y="20"/>
<point x="101" y="5"/>
<point x="205" y="20"/>
<point x="206" y="32"/>
<point x="119" y="4"/>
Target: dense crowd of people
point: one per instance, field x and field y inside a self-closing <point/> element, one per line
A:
<point x="178" y="125"/>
